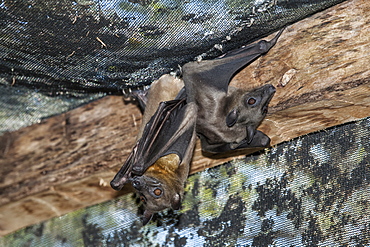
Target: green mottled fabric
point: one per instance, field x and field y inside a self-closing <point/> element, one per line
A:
<point x="311" y="191"/>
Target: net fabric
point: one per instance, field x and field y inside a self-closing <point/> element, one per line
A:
<point x="72" y="52"/>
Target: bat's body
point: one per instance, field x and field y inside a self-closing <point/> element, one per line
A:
<point x="165" y="88"/>
<point x="233" y="121"/>
<point x="228" y="117"/>
<point x="203" y="104"/>
<point x="158" y="166"/>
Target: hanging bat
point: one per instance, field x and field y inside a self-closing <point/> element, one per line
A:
<point x="228" y="117"/>
<point x="158" y="166"/>
<point x="225" y="119"/>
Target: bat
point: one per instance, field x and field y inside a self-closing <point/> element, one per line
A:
<point x="200" y="104"/>
<point x="158" y="165"/>
<point x="228" y="117"/>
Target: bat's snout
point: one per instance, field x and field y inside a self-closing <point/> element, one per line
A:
<point x="270" y="89"/>
<point x="269" y="92"/>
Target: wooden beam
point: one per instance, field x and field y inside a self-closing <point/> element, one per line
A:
<point x="320" y="67"/>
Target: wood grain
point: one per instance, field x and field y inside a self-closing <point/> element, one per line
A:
<point x="320" y="67"/>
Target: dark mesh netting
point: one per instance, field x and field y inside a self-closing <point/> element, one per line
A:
<point x="55" y="55"/>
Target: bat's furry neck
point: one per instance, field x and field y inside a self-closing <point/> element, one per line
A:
<point x="167" y="169"/>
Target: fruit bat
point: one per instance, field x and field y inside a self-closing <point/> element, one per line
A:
<point x="228" y="117"/>
<point x="201" y="103"/>
<point x="158" y="165"/>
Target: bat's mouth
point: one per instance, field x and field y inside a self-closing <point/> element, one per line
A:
<point x="268" y="93"/>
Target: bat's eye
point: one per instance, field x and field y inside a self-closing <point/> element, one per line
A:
<point x="157" y="192"/>
<point x="251" y="101"/>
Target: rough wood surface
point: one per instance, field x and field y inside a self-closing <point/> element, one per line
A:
<point x="320" y="67"/>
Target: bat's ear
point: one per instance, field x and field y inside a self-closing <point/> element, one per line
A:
<point x="147" y="216"/>
<point x="231" y="118"/>
<point x="176" y="201"/>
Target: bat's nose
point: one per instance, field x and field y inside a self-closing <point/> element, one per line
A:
<point x="271" y="89"/>
<point x="268" y="94"/>
<point x="268" y="89"/>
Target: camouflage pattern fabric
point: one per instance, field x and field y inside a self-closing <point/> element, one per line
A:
<point x="311" y="191"/>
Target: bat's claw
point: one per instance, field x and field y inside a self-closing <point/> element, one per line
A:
<point x="116" y="185"/>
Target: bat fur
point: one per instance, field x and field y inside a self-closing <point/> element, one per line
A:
<point x="159" y="163"/>
<point x="177" y="110"/>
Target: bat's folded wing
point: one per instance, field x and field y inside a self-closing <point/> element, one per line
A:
<point x="170" y="130"/>
<point x="260" y="140"/>
<point x="216" y="74"/>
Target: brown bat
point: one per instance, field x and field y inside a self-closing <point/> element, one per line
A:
<point x="158" y="166"/>
<point x="225" y="119"/>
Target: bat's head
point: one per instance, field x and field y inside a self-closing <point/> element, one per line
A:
<point x="156" y="195"/>
<point x="248" y="109"/>
<point x="161" y="186"/>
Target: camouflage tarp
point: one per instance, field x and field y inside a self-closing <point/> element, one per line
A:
<point x="310" y="191"/>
